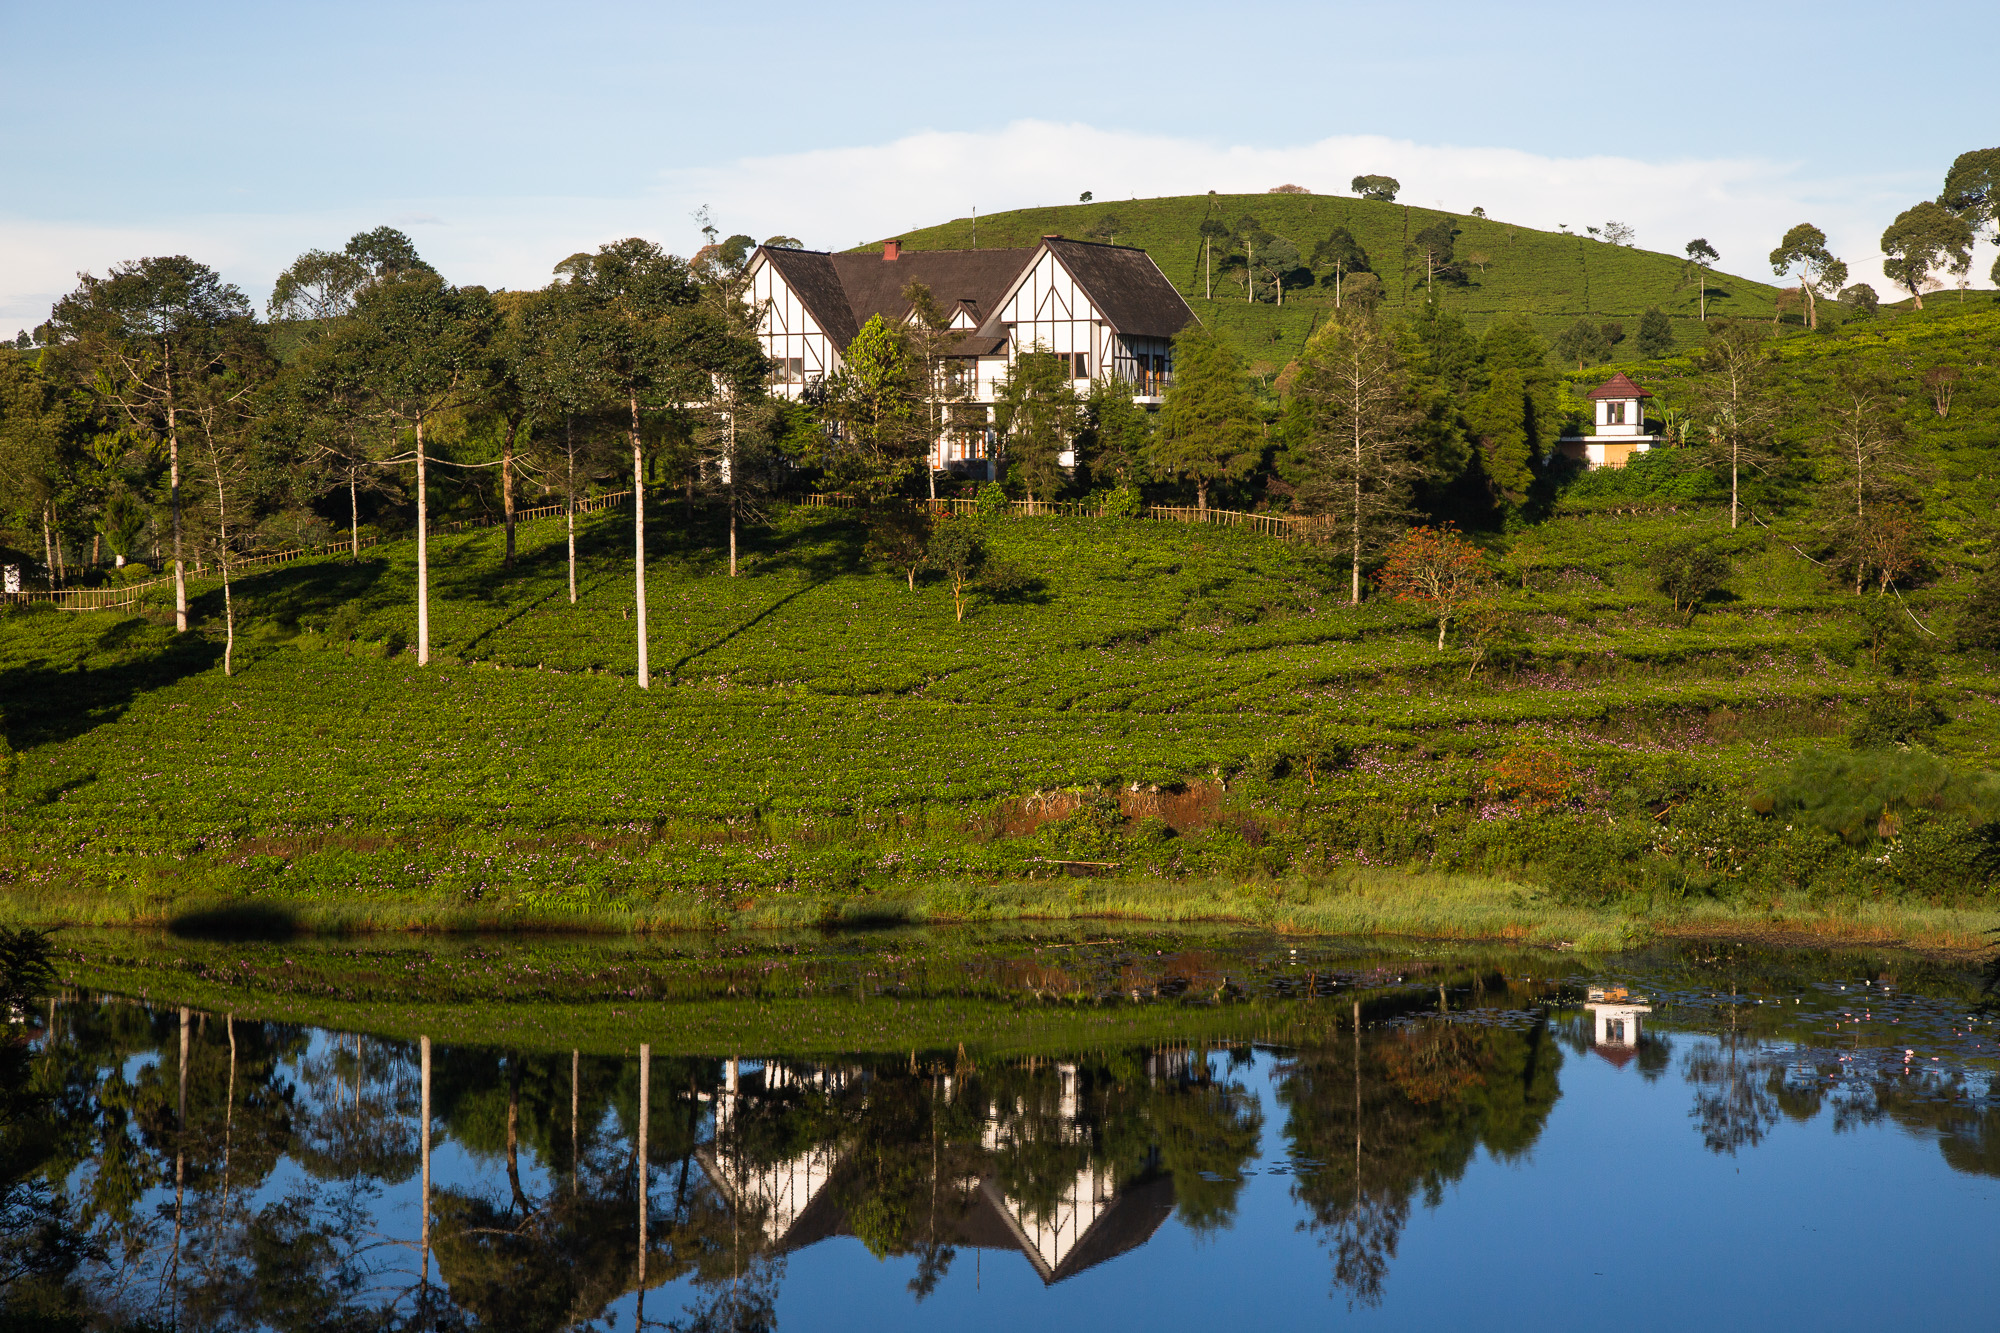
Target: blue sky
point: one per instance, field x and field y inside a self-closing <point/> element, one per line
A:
<point x="506" y="136"/>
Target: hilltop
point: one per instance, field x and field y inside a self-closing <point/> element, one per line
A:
<point x="1548" y="278"/>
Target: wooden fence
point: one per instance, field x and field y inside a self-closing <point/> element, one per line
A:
<point x="134" y="594"/>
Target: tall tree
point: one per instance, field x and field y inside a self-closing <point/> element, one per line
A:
<point x="1866" y="476"/>
<point x="1736" y="406"/>
<point x="1380" y="188"/>
<point x="223" y="411"/>
<point x="1501" y="424"/>
<point x="1116" y="432"/>
<point x="1972" y="190"/>
<point x="1040" y="417"/>
<point x="1354" y="434"/>
<point x="1208" y="424"/>
<point x="321" y="285"/>
<point x="144" y="334"/>
<point x="1432" y="247"/>
<point x="416" y="349"/>
<point x="875" y="401"/>
<point x="1343" y="254"/>
<point x="1924" y="238"/>
<point x="567" y="383"/>
<point x="941" y="377"/>
<point x="1656" y="333"/>
<point x="1804" y="252"/>
<point x="1700" y="254"/>
<point x="628" y="291"/>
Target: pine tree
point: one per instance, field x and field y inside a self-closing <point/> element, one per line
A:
<point x="1208" y="424"/>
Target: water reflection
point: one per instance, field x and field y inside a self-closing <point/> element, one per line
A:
<point x="221" y="1173"/>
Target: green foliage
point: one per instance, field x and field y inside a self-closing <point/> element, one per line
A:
<point x="1656" y="333"/>
<point x="1862" y="794"/>
<point x="1207" y="430"/>
<point x="991" y="502"/>
<point x="1123" y="501"/>
<point x="1584" y="342"/>
<point x="1688" y="571"/>
<point x="1039" y="414"/>
<point x="1381" y="189"/>
<point x="1115" y="433"/>
<point x="875" y="402"/>
<point x="1898" y="717"/>
<point x="1499" y="422"/>
<point x="1925" y="238"/>
<point x="1979" y="618"/>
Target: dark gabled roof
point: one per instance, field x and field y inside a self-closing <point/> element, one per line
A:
<point x="874" y="285"/>
<point x="1618" y="386"/>
<point x="812" y="277"/>
<point x="1125" y="285"/>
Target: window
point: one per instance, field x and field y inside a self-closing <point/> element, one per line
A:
<point x="1614" y="1031"/>
<point x="788" y="370"/>
<point x="1081" y="368"/>
<point x="1614" y="414"/>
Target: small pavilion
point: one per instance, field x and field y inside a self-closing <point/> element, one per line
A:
<point x="1619" y="428"/>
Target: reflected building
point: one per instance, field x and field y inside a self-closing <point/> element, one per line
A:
<point x="1615" y="1023"/>
<point x="1086" y="1215"/>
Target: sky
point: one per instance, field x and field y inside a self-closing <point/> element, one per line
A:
<point x="504" y="137"/>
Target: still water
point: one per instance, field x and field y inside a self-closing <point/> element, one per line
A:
<point x="1418" y="1145"/>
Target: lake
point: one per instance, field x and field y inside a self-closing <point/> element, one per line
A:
<point x="1345" y="1135"/>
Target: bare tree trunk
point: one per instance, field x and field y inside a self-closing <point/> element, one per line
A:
<point x="353" y="518"/>
<point x="1354" y="593"/>
<point x="732" y="529"/>
<point x="1735" y="461"/>
<point x="639" y="545"/>
<point x="575" y="1069"/>
<point x="49" y="542"/>
<point x="424" y="1147"/>
<point x="1207" y="269"/>
<point x="423" y="555"/>
<point x="1249" y="274"/>
<point x="569" y="498"/>
<point x="507" y="493"/>
<point x="174" y="489"/>
<point x="645" y="1114"/>
<point x="1201" y="494"/>
<point x="514" y="1133"/>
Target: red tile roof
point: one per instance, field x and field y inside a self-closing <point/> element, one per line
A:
<point x="1618" y="386"/>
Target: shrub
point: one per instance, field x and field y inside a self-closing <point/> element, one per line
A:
<point x="1979" y="621"/>
<point x="991" y="501"/>
<point x="1870" y="793"/>
<point x="1123" y="501"/>
<point x="1897" y="717"/>
<point x="1533" y="775"/>
<point x="1687" y="570"/>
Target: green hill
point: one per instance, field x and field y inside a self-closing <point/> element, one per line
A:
<point x="1548" y="277"/>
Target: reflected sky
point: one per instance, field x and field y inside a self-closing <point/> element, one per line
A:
<point x="1664" y="1152"/>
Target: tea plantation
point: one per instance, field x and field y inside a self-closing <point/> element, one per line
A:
<point x="1187" y="712"/>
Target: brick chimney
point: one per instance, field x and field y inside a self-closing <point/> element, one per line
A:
<point x="1052" y="236"/>
<point x="890" y="250"/>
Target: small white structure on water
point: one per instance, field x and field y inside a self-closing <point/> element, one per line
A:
<point x="1615" y="1018"/>
<point x="1619" y="428"/>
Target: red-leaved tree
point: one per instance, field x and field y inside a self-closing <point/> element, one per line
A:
<point x="1436" y="569"/>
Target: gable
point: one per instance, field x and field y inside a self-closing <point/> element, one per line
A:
<point x="1126" y="286"/>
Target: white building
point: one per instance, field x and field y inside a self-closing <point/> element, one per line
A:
<point x="1615" y="1016"/>
<point x="1619" y="428"/>
<point x="1107" y="310"/>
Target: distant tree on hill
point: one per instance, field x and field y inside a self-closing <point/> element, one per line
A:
<point x="1925" y="238"/>
<point x="899" y="534"/>
<point x="1479" y="212"/>
<point x="1278" y="263"/>
<point x="1380" y="188"/>
<point x="1212" y="230"/>
<point x="1735" y="406"/>
<point x="1208" y="424"/>
<point x="1656" y="333"/>
<point x="1353" y="436"/>
<point x="783" y="243"/>
<point x="1105" y="229"/>
<point x="1432" y="247"/>
<point x="567" y="387"/>
<point x="1803" y="251"/>
<point x="1618" y="233"/>
<point x="1039" y="416"/>
<point x="1972" y="190"/>
<point x="1513" y="344"/>
<point x="1868" y="478"/>
<point x="1700" y="254"/>
<point x="1861" y="299"/>
<point x="1083" y="198"/>
<point x="1583" y="342"/>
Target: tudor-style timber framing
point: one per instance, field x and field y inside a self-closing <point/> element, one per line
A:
<point x="1106" y="309"/>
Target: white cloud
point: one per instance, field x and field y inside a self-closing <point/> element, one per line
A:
<point x="839" y="197"/>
